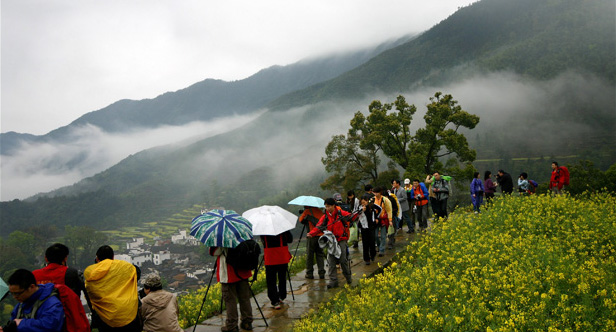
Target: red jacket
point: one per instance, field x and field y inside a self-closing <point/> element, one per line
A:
<point x="310" y="212"/>
<point x="333" y="224"/>
<point x="225" y="273"/>
<point x="276" y="248"/>
<point x="556" y="179"/>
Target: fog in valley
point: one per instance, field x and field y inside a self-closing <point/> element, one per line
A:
<point x="516" y="113"/>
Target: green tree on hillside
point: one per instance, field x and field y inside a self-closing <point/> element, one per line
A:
<point x="386" y="129"/>
<point x="83" y="242"/>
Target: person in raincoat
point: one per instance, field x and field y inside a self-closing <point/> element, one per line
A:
<point x="477" y="191"/>
<point x="112" y="288"/>
<point x="159" y="308"/>
<point x="37" y="310"/>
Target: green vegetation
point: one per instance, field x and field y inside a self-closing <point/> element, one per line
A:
<point x="529" y="263"/>
<point x="355" y="158"/>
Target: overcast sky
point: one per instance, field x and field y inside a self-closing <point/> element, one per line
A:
<point x="62" y="59"/>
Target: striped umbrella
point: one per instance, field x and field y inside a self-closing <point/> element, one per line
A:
<point x="221" y="228"/>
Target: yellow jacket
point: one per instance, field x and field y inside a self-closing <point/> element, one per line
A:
<point x="112" y="287"/>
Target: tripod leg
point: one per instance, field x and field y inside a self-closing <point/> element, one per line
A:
<point x="254" y="278"/>
<point x="204" y="297"/>
<point x="290" y="285"/>
<point x="298" y="241"/>
<point x="258" y="307"/>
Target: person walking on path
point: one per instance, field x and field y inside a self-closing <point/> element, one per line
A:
<point x="276" y="257"/>
<point x="410" y="222"/>
<point x="385" y="219"/>
<point x="477" y="191"/>
<point x="490" y="187"/>
<point x="400" y="193"/>
<point x="235" y="288"/>
<point x="367" y="224"/>
<point x="440" y="187"/>
<point x="505" y="182"/>
<point x="310" y="217"/>
<point x="159" y="308"/>
<point x="420" y="193"/>
<point x="354" y="205"/>
<point x="335" y="221"/>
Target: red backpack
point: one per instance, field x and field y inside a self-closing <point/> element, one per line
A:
<point x="75" y="319"/>
<point x="564" y="172"/>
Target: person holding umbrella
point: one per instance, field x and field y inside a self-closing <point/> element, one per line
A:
<point x="276" y="257"/>
<point x="222" y="230"/>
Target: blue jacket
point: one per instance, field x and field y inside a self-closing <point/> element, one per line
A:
<point x="49" y="317"/>
<point x="476" y="185"/>
<point x="423" y="189"/>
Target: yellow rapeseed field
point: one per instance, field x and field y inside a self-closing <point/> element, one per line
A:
<point x="526" y="264"/>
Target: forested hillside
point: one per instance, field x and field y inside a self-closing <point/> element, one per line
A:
<point x="554" y="101"/>
<point x="538" y="39"/>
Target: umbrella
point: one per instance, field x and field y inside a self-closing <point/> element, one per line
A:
<point x="221" y="228"/>
<point x="270" y="220"/>
<point x="308" y="201"/>
<point x="4" y="289"/>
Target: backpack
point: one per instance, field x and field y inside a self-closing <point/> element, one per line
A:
<point x="75" y="319"/>
<point x="565" y="173"/>
<point x="394" y="204"/>
<point x="245" y="256"/>
<point x="345" y="207"/>
<point x="533" y="186"/>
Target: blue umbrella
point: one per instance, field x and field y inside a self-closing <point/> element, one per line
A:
<point x="4" y="289"/>
<point x="308" y="201"/>
<point x="221" y="228"/>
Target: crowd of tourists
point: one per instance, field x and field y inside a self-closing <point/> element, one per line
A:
<point x="49" y="298"/>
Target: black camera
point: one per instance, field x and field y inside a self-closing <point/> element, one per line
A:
<point x="301" y="211"/>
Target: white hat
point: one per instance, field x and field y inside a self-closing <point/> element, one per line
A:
<point x="407" y="181"/>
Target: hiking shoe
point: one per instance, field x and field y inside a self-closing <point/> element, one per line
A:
<point x="321" y="276"/>
<point x="246" y="326"/>
<point x="332" y="286"/>
<point x="276" y="305"/>
<point x="309" y="276"/>
<point x="381" y="255"/>
<point x="235" y="329"/>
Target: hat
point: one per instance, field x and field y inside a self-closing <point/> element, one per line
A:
<point x="338" y="197"/>
<point x="152" y="280"/>
<point x="407" y="181"/>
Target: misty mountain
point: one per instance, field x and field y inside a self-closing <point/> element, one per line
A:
<point x="537" y="91"/>
<point x="208" y="99"/>
<point x="537" y="39"/>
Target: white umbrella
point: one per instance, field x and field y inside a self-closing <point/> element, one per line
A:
<point x="270" y="220"/>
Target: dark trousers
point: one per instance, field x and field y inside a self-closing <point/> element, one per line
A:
<point x="439" y="207"/>
<point x="276" y="279"/>
<point x="134" y="326"/>
<point x="369" y="244"/>
<point x="312" y="250"/>
<point x="421" y="214"/>
<point x="232" y="294"/>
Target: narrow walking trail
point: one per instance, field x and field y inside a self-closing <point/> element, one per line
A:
<point x="308" y="293"/>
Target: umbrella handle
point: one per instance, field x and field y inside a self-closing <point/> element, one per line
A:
<point x="298" y="241"/>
